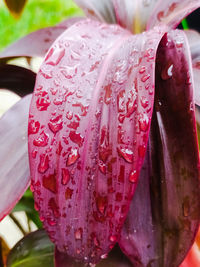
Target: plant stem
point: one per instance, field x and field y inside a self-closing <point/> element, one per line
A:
<point x="16" y="221"/>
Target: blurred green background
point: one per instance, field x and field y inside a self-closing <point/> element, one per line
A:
<point x="37" y="14"/>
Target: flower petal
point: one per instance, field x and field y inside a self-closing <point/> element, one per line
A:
<point x="17" y="79"/>
<point x="102" y="10"/>
<point x="37" y="43"/>
<point x="194" y="43"/>
<point x="133" y="15"/>
<point x="164" y="214"/>
<point x="171" y="12"/>
<point x="92" y="104"/>
<point x="14" y="171"/>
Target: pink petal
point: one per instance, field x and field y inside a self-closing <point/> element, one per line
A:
<point x="14" y="171"/>
<point x="171" y="12"/>
<point x="133" y="15"/>
<point x="37" y="43"/>
<point x="93" y="101"/>
<point x="194" y="43"/>
<point x="164" y="214"/>
<point x="101" y="10"/>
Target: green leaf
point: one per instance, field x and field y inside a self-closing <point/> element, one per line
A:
<point x="33" y="250"/>
<point x="15" y="7"/>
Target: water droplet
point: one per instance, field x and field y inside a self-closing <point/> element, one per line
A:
<point x="113" y="238"/>
<point x="54" y="207"/>
<point x="125" y="153"/>
<point x="42" y="101"/>
<point x="131" y="104"/>
<point x="44" y="163"/>
<point x="51" y="222"/>
<point x="142" y="69"/>
<point x="145" y="77"/>
<point x="56" y="124"/>
<point x="73" y="124"/>
<point x="167" y="71"/>
<point x="55" y="56"/>
<point x="133" y="176"/>
<point x="186" y="208"/>
<point x="69" y="72"/>
<point x="33" y="127"/>
<point x="42" y="140"/>
<point x="144" y="102"/>
<point x="121" y="101"/>
<point x="65" y="176"/>
<point x="73" y="156"/>
<point x="49" y="182"/>
<point x="102" y="203"/>
<point x="104" y="256"/>
<point x="143" y="122"/>
<point x="108" y="93"/>
<point x="78" y="233"/>
<point x="69" y="115"/>
<point x="34" y="153"/>
<point x="76" y="138"/>
<point x="59" y="149"/>
<point x="68" y="193"/>
<point x="102" y="167"/>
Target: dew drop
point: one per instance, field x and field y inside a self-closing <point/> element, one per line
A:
<point x="69" y="72"/>
<point x="56" y="124"/>
<point x="113" y="238"/>
<point x="33" y="127"/>
<point x="42" y="101"/>
<point x="108" y="93"/>
<point x="69" y="115"/>
<point x="44" y="163"/>
<point x="144" y="102"/>
<point x="76" y="138"/>
<point x="121" y="101"/>
<point x="142" y="69"/>
<point x="167" y="71"/>
<point x="53" y="58"/>
<point x="126" y="154"/>
<point x="53" y="206"/>
<point x="145" y="77"/>
<point x="143" y="122"/>
<point x="51" y="222"/>
<point x="133" y="176"/>
<point x="68" y="193"/>
<point x="104" y="256"/>
<point x="102" y="167"/>
<point x="65" y="176"/>
<point x="78" y="234"/>
<point x="42" y="140"/>
<point x="73" y="156"/>
<point x="49" y="182"/>
<point x="102" y="203"/>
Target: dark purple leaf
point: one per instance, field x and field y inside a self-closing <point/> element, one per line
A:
<point x="171" y="12"/>
<point x="91" y="114"/>
<point x="114" y="259"/>
<point x="17" y="79"/>
<point x="164" y="214"/>
<point x="15" y="6"/>
<point x="37" y="43"/>
<point x="14" y="171"/>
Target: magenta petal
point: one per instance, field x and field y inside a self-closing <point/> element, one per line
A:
<point x="164" y="214"/>
<point x="14" y="171"/>
<point x="171" y="12"/>
<point x="92" y="107"/>
<point x="37" y="43"/>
